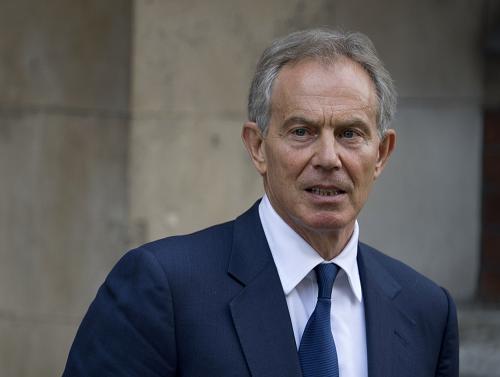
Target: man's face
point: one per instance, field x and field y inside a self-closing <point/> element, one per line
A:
<point x="322" y="151"/>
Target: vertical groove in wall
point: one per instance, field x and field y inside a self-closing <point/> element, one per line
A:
<point x="489" y="285"/>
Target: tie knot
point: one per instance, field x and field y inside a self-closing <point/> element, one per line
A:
<point x="325" y="275"/>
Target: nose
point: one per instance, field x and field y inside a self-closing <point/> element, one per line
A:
<point x="326" y="153"/>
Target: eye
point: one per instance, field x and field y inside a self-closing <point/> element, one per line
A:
<point x="348" y="134"/>
<point x="300" y="132"/>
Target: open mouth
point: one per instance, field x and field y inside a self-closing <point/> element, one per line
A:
<point x="325" y="192"/>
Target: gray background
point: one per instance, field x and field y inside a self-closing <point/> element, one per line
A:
<point x="120" y="123"/>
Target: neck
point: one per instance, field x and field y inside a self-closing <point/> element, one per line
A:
<point x="327" y="244"/>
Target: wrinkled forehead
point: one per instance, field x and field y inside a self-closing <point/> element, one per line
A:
<point x="324" y="87"/>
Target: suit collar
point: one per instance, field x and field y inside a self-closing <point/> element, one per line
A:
<point x="259" y="312"/>
<point x="262" y="322"/>
<point x="250" y="252"/>
<point x="377" y="275"/>
<point x="389" y="328"/>
<point x="295" y="258"/>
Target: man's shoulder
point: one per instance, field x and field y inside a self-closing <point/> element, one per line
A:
<point x="205" y="248"/>
<point x="391" y="264"/>
<point x="413" y="283"/>
<point x="207" y="252"/>
<point x="217" y="236"/>
<point x="213" y="236"/>
<point x="195" y="258"/>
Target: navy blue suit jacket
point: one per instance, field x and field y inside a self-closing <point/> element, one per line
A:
<point x="211" y="304"/>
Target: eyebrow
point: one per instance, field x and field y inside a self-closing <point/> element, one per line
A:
<point x="358" y="124"/>
<point x="349" y="122"/>
<point x="353" y="122"/>
<point x="299" y="120"/>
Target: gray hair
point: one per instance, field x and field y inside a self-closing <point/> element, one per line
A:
<point x="325" y="45"/>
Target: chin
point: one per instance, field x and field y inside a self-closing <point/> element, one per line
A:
<point x="328" y="222"/>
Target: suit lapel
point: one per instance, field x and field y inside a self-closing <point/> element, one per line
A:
<point x="388" y="328"/>
<point x="259" y="312"/>
<point x="262" y="321"/>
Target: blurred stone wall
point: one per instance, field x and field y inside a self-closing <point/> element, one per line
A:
<point x="64" y="92"/>
<point x="117" y="114"/>
<point x="193" y="62"/>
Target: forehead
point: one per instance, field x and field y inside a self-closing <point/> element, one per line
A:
<point x="313" y="86"/>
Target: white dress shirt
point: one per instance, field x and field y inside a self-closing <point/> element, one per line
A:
<point x="295" y="260"/>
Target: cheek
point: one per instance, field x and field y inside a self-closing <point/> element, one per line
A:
<point x="276" y="168"/>
<point x="362" y="169"/>
<point x="283" y="162"/>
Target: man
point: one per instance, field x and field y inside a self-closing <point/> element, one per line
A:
<point x="254" y="296"/>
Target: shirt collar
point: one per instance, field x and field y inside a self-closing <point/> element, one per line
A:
<point x="295" y="258"/>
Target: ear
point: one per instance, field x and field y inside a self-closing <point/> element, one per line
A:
<point x="254" y="143"/>
<point x="385" y="148"/>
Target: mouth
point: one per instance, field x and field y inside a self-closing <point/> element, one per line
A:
<point x="325" y="191"/>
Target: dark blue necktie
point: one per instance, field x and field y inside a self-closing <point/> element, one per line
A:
<point x="317" y="352"/>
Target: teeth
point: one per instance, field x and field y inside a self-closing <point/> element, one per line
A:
<point x="323" y="192"/>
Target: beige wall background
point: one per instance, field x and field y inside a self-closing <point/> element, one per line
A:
<point x="189" y="85"/>
<point x="120" y="123"/>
